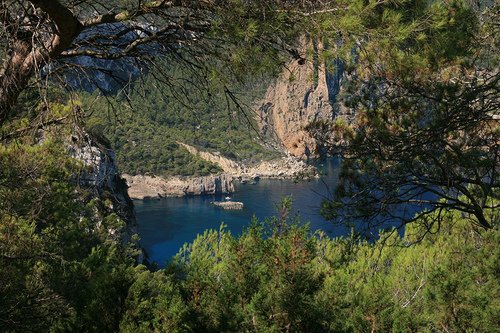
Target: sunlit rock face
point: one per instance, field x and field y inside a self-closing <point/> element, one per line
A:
<point x="100" y="175"/>
<point x="100" y="168"/>
<point x="151" y="187"/>
<point x="303" y="93"/>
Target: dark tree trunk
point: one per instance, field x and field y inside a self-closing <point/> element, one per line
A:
<point x="14" y="79"/>
<point x="26" y="57"/>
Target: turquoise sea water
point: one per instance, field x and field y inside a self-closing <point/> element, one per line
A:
<point x="166" y="224"/>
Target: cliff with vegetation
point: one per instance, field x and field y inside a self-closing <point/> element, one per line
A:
<point x="431" y="127"/>
<point x="167" y="149"/>
<point x="100" y="174"/>
<point x="142" y="187"/>
<point x="154" y="118"/>
<point x="284" y="167"/>
<point x="67" y="227"/>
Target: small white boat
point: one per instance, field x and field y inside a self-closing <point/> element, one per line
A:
<point x="227" y="198"/>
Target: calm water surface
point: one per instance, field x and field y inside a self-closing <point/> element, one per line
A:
<point x="166" y="224"/>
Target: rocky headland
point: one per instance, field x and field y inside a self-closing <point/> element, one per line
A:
<point x="154" y="187"/>
<point x="304" y="92"/>
<point x="285" y="167"/>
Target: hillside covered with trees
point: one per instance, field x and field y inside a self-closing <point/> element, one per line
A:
<point x="144" y="127"/>
<point x="425" y="88"/>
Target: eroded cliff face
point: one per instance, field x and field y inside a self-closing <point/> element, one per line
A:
<point x="149" y="187"/>
<point x="100" y="175"/>
<point x="303" y="93"/>
<point x="226" y="164"/>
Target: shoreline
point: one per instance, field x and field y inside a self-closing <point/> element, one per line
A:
<point x="141" y="187"/>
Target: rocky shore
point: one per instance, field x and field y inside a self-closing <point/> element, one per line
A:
<point x="153" y="187"/>
<point x="229" y="205"/>
<point x="286" y="167"/>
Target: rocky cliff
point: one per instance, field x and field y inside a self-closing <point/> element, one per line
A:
<point x="304" y="92"/>
<point x="285" y="167"/>
<point x="100" y="175"/>
<point x="143" y="187"/>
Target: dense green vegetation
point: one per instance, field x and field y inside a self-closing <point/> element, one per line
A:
<point x="60" y="267"/>
<point x="145" y="126"/>
<point x="275" y="277"/>
<point x="67" y="251"/>
<point x="426" y="91"/>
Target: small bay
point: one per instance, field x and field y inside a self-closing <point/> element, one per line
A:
<point x="165" y="225"/>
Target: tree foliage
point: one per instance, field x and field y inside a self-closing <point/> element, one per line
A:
<point x="40" y="38"/>
<point x="424" y="83"/>
<point x="276" y="276"/>
<point x="425" y="91"/>
<point x="60" y="266"/>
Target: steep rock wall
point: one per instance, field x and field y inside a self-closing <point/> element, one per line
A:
<point x="303" y="93"/>
<point x="101" y="176"/>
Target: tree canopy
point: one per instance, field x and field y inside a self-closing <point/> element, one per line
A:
<point x="425" y="87"/>
<point x="423" y="79"/>
<point x="40" y="37"/>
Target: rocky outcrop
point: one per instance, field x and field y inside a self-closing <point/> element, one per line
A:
<point x="285" y="167"/>
<point x="151" y="187"/>
<point x="303" y="93"/>
<point x="100" y="175"/>
<point x="100" y="172"/>
<point x="229" y="205"/>
<point x="226" y="164"/>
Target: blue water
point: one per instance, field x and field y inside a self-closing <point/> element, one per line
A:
<point x="166" y="224"/>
